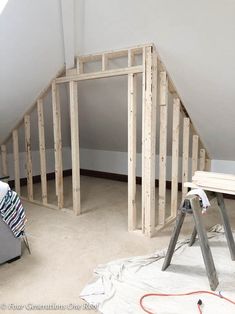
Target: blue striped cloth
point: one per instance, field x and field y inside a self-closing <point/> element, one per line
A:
<point x="13" y="213"/>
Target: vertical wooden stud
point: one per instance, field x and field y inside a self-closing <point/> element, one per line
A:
<point x="175" y="156"/>
<point x="195" y="154"/>
<point x="42" y="150"/>
<point x="208" y="165"/>
<point x="132" y="79"/>
<point x="4" y="160"/>
<point x="75" y="146"/>
<point x="185" y="157"/>
<point x="29" y="167"/>
<point x="104" y="62"/>
<point x="57" y="144"/>
<point x="163" y="146"/>
<point x="202" y="162"/>
<point x="131" y="58"/>
<point x="80" y="66"/>
<point x="15" y="139"/>
<point x="149" y="140"/>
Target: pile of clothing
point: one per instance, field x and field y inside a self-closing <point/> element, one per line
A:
<point x="11" y="210"/>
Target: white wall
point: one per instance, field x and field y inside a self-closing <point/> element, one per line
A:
<point x="194" y="39"/>
<point x="50" y="161"/>
<point x="31" y="53"/>
<point x="224" y="166"/>
<point x="116" y="162"/>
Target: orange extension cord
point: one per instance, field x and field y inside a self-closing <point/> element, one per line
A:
<point x="182" y="295"/>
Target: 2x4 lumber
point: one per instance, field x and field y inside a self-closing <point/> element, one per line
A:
<point x="73" y="92"/>
<point x="207" y="174"/>
<point x="4" y="160"/>
<point x="29" y="166"/>
<point x="163" y="146"/>
<point x="16" y="158"/>
<point x="175" y="157"/>
<point x="100" y="74"/>
<point x="195" y="154"/>
<point x="114" y="53"/>
<point x="131" y="58"/>
<point x="42" y="94"/>
<point x="57" y="144"/>
<point x="143" y="138"/>
<point x="132" y="89"/>
<point x="42" y="150"/>
<point x="104" y="62"/>
<point x="185" y="156"/>
<point x="208" y="164"/>
<point x="174" y="91"/>
<point x="80" y="66"/>
<point x="149" y="132"/>
<point x="202" y="162"/>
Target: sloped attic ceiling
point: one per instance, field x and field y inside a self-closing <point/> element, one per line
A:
<point x="31" y="53"/>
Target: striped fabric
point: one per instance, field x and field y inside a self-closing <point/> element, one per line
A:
<point x="13" y="214"/>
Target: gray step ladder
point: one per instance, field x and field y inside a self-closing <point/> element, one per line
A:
<point x="191" y="205"/>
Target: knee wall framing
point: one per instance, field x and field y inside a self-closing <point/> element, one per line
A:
<point x="156" y="84"/>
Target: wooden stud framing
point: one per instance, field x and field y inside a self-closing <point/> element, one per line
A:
<point x="202" y="163"/>
<point x="175" y="156"/>
<point x="42" y="150"/>
<point x="131" y="58"/>
<point x="104" y="62"/>
<point x="15" y="139"/>
<point x="80" y="66"/>
<point x="75" y="146"/>
<point x="4" y="160"/>
<point x="208" y="165"/>
<point x="185" y="157"/>
<point x="132" y="89"/>
<point x="29" y="166"/>
<point x="100" y="74"/>
<point x="195" y="154"/>
<point x="149" y="140"/>
<point x="149" y="71"/>
<point x="143" y="138"/>
<point x="57" y="144"/>
<point x="163" y="146"/>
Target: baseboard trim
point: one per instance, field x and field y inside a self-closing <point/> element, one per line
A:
<point x="100" y="174"/>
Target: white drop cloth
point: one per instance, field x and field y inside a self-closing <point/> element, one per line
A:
<point x="118" y="285"/>
<point x="201" y="193"/>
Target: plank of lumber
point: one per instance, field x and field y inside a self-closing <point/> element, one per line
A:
<point x="104" y="62"/>
<point x="29" y="166"/>
<point x="207" y="188"/>
<point x="195" y="154"/>
<point x="202" y="162"/>
<point x="132" y="89"/>
<point x="57" y="144"/>
<point x="42" y="150"/>
<point x="185" y="157"/>
<point x="100" y="74"/>
<point x="208" y="164"/>
<point x="131" y="58"/>
<point x="143" y="137"/>
<point x="148" y="172"/>
<point x="206" y="174"/>
<point x="163" y="146"/>
<point x="73" y="92"/>
<point x="175" y="156"/>
<point x="15" y="139"/>
<point x="4" y="160"/>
